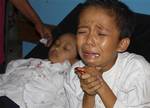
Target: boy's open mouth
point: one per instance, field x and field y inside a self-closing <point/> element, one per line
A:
<point x="89" y="54"/>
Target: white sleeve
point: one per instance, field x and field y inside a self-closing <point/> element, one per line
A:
<point x="118" y="104"/>
<point x="137" y="97"/>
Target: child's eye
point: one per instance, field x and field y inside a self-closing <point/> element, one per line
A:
<point x="57" y="43"/>
<point x="101" y="34"/>
<point x="67" y="48"/>
<point x="81" y="32"/>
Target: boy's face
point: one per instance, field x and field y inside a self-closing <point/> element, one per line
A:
<point x="63" y="49"/>
<point x="97" y="38"/>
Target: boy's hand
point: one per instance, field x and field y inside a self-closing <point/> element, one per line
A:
<point x="90" y="79"/>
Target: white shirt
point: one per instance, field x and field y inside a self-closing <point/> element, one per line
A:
<point x="35" y="83"/>
<point x="129" y="80"/>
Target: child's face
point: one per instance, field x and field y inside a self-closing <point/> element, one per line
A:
<point x="97" y="38"/>
<point x="63" y="49"/>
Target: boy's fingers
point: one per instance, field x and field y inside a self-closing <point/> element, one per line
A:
<point x="88" y="91"/>
<point x="85" y="76"/>
<point x="98" y="68"/>
<point x="95" y="88"/>
<point x="89" y="79"/>
<point x="93" y="84"/>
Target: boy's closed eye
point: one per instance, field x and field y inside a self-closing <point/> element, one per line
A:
<point x="102" y="31"/>
<point x="82" y="31"/>
<point x="101" y="34"/>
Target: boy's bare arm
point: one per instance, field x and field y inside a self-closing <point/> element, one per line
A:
<point x="88" y="101"/>
<point x="106" y="95"/>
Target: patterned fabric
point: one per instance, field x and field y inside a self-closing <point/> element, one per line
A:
<point x="35" y="83"/>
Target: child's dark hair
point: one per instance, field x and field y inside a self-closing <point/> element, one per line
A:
<point x="124" y="17"/>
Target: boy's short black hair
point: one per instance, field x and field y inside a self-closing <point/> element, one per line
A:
<point x="124" y="17"/>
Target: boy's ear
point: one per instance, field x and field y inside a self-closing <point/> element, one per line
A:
<point x="123" y="45"/>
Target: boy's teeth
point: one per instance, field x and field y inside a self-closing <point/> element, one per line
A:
<point x="97" y="55"/>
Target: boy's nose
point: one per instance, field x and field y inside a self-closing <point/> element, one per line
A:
<point x="90" y="40"/>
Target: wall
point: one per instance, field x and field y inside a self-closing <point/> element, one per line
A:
<point x="141" y="6"/>
<point x="53" y="11"/>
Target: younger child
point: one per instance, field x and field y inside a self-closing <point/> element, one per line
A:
<point x="109" y="76"/>
<point x="36" y="83"/>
